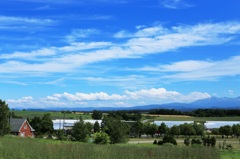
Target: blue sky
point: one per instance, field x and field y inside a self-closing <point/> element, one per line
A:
<point x="117" y="53"/>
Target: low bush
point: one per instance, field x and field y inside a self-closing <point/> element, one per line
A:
<point x="167" y="139"/>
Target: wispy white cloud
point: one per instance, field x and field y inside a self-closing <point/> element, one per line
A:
<point x="45" y="7"/>
<point x="143" y="32"/>
<point x="150" y="96"/>
<point x="74" y="1"/>
<point x="198" y="70"/>
<point x="152" y="40"/>
<point x="23" y="23"/>
<point x="175" y="4"/>
<point x="14" y="82"/>
<point x="95" y="17"/>
<point x="231" y="92"/>
<point x="46" y="1"/>
<point x="81" y="33"/>
<point x="45" y="52"/>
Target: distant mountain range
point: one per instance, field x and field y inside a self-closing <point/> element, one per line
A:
<point x="209" y="103"/>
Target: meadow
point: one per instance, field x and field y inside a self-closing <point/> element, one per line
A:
<point x="26" y="148"/>
<point x="59" y="115"/>
<point x="187" y="118"/>
<point x="54" y="115"/>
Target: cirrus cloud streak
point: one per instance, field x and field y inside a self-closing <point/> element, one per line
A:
<point x="145" y="41"/>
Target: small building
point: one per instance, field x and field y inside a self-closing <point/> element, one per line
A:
<point x="172" y="123"/>
<point x="21" y="127"/>
<point x="210" y="125"/>
<point x="67" y="124"/>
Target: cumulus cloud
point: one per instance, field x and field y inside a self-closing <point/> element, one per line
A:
<point x="87" y="97"/>
<point x="128" y="98"/>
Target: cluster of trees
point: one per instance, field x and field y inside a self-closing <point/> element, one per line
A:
<point x="228" y="130"/>
<point x="115" y="130"/>
<point x="123" y="115"/>
<point x="166" y="112"/>
<point x="206" y="141"/>
<point x="183" y="129"/>
<point x="215" y="112"/>
<point x="97" y="115"/>
<point x="126" y="115"/>
<point x="111" y="130"/>
<point x="198" y="112"/>
<point x="42" y="125"/>
<point x="166" y="139"/>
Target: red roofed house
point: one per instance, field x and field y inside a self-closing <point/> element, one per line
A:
<point x="21" y="127"/>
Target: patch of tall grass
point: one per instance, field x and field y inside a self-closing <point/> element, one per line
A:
<point x="20" y="148"/>
<point x="230" y="154"/>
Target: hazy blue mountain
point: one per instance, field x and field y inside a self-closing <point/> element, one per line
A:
<point x="214" y="102"/>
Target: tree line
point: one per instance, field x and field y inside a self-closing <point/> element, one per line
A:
<point x="198" y="112"/>
<point x="227" y="130"/>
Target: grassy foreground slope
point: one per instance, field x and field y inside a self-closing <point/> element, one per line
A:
<point x="12" y="148"/>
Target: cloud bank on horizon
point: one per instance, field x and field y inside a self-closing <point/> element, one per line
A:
<point x="102" y="53"/>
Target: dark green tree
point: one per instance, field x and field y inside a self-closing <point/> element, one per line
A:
<point x="150" y="129"/>
<point x="80" y="131"/>
<point x="199" y="129"/>
<point x="46" y="124"/>
<point x="97" y="115"/>
<point x="209" y="141"/>
<point x="163" y="129"/>
<point x="215" y="131"/>
<point x="175" y="130"/>
<point x="89" y="127"/>
<point x="116" y="129"/>
<point x="36" y="123"/>
<point x="138" y="128"/>
<point x="167" y="139"/>
<point x="187" y="129"/>
<point x="96" y="127"/>
<point x="225" y="130"/>
<point x="236" y="130"/>
<point x="4" y="118"/>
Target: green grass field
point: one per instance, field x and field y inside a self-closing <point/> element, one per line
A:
<point x="54" y="115"/>
<point x="26" y="148"/>
<point x="187" y="118"/>
<point x="58" y="115"/>
<point x="230" y="154"/>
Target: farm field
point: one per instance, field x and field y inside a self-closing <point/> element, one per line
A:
<point x="187" y="118"/>
<point x="59" y="115"/>
<point x="235" y="142"/>
<point x="14" y="147"/>
<point x="54" y="115"/>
